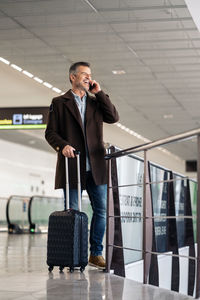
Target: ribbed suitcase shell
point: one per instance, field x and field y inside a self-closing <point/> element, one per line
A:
<point x="67" y="244"/>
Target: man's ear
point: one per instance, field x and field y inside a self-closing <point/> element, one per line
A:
<point x="72" y="77"/>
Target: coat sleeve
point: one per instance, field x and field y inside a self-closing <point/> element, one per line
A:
<point x="52" y="131"/>
<point x="108" y="110"/>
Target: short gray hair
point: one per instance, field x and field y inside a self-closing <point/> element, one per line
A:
<point x="73" y="68"/>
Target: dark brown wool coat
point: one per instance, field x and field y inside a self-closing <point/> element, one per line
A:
<point x="64" y="127"/>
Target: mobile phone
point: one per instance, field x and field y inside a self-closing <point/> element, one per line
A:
<point x="92" y="87"/>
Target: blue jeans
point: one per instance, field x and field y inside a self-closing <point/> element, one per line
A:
<point x="98" y="198"/>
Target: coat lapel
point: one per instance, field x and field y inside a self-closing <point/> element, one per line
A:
<point x="71" y="105"/>
<point x="89" y="109"/>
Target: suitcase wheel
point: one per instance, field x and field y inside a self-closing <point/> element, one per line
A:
<point x="71" y="270"/>
<point x="61" y="269"/>
<point x="50" y="269"/>
<point x="82" y="269"/>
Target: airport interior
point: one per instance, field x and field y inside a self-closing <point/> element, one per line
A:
<point x="145" y="54"/>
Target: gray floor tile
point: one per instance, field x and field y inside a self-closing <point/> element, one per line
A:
<point x="24" y="276"/>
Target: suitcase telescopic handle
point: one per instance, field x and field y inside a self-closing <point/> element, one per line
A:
<point x="77" y="153"/>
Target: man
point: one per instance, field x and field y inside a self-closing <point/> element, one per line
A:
<point x="76" y="123"/>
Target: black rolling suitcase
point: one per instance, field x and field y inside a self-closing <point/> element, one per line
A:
<point x="67" y="244"/>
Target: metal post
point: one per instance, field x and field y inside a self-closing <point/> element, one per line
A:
<point x="147" y="222"/>
<point x="144" y="217"/>
<point x="67" y="183"/>
<point x="108" y="248"/>
<point x="79" y="181"/>
<point x="198" y="219"/>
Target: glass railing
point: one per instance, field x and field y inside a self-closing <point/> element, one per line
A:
<point x="41" y="207"/>
<point x="17" y="214"/>
<point x="3" y="220"/>
<point x="30" y="214"/>
<point x="193" y="197"/>
<point x="130" y="191"/>
<point x="152" y="213"/>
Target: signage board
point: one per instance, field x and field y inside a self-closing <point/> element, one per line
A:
<point x="159" y="190"/>
<point x="23" y="117"/>
<point x="130" y="180"/>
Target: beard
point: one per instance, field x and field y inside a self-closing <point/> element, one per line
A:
<point x="81" y="87"/>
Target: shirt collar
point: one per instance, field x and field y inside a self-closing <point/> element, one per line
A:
<point x="77" y="96"/>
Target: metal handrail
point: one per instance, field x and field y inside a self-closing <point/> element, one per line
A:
<point x="157" y="143"/>
<point x="147" y="225"/>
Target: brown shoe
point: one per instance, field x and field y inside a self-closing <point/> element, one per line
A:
<point x="97" y="261"/>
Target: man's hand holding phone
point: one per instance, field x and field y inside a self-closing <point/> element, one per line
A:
<point x="94" y="87"/>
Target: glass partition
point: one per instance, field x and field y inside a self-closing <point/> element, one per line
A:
<point x="130" y="187"/>
<point x="17" y="209"/>
<point x="41" y="208"/>
<point x="171" y="199"/>
<point x="156" y="239"/>
<point x="193" y="196"/>
<point x="180" y="185"/>
<point x="3" y="220"/>
<point x="159" y="193"/>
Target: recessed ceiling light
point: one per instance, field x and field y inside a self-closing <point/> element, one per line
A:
<point x="31" y="142"/>
<point x="5" y="61"/>
<point x="118" y="124"/>
<point x="48" y="84"/>
<point x="38" y="79"/>
<point x="56" y="90"/>
<point x="16" y="67"/>
<point x="27" y="74"/>
<point x="118" y="72"/>
<point x="169" y="116"/>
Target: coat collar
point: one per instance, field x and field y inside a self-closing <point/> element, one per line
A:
<point x="68" y="95"/>
<point x="70" y="103"/>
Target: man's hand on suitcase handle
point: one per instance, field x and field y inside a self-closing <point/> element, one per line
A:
<point x="76" y="152"/>
<point x="70" y="152"/>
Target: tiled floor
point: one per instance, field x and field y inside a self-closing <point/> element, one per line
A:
<point x="24" y="276"/>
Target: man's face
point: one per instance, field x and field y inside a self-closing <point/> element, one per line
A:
<point x="81" y="80"/>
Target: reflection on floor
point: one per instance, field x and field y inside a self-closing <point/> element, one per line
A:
<point x="24" y="276"/>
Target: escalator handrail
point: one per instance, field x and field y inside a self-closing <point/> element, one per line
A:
<point x="32" y="225"/>
<point x="7" y="207"/>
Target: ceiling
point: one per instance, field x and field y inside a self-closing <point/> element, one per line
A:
<point x="155" y="42"/>
<point x="30" y="138"/>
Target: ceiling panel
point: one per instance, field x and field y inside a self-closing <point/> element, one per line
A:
<point x="28" y="138"/>
<point x="34" y="8"/>
<point x="7" y="23"/>
<point x="61" y="20"/>
<point x="14" y="34"/>
<point x="154" y="36"/>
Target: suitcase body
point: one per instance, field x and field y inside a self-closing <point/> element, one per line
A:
<point x="67" y="243"/>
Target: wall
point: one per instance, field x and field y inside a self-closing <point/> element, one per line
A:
<point x="26" y="171"/>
